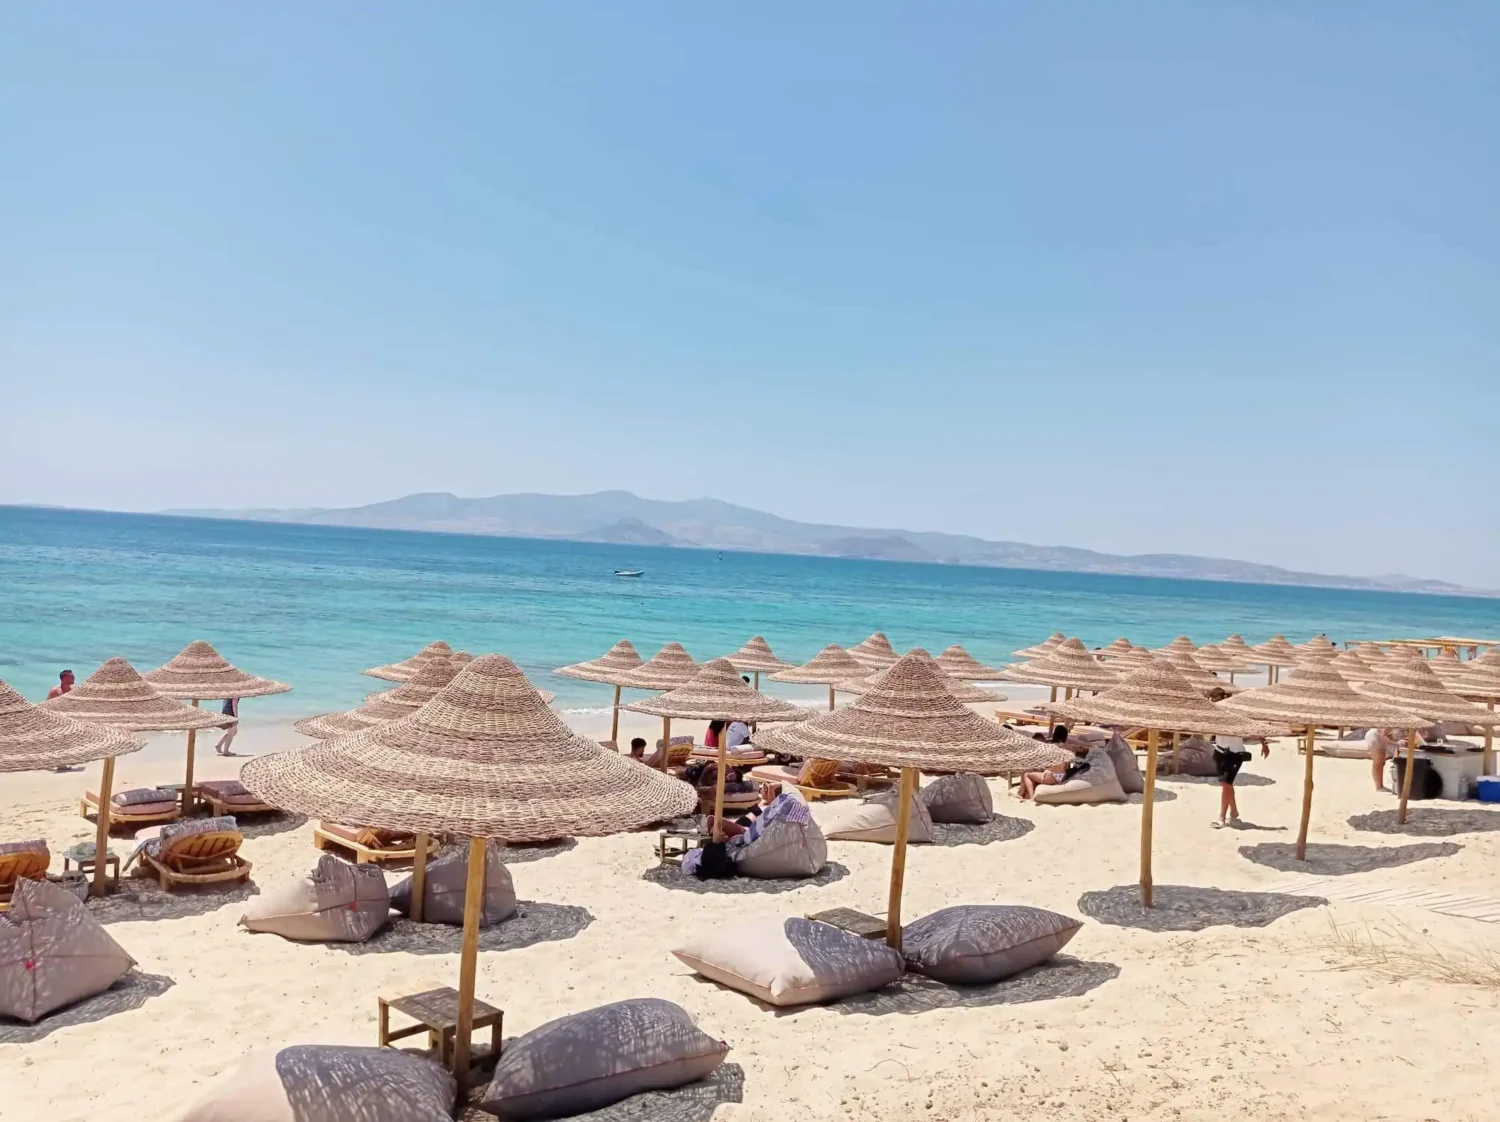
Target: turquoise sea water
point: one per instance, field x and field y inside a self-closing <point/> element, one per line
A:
<point x="313" y="605"/>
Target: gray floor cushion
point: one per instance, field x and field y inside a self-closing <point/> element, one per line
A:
<point x="448" y="883"/>
<point x="874" y="820"/>
<point x="336" y="903"/>
<point x="1127" y="767"/>
<point x="791" y="961"/>
<point x="961" y="798"/>
<point x="53" y="952"/>
<point x="1098" y="784"/>
<point x="976" y="943"/>
<point x="784" y="849"/>
<point x="589" y="1060"/>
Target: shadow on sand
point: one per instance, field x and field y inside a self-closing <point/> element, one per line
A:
<point x="1327" y="860"/>
<point x="142" y="898"/>
<point x="1064" y="976"/>
<point x="534" y="922"/>
<point x="695" y="1102"/>
<point x="997" y="829"/>
<point x="1429" y="822"/>
<point x="1182" y="907"/>
<point x="130" y="992"/>
<point x="1243" y="779"/>
<point x="669" y="877"/>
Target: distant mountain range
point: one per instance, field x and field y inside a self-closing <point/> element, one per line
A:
<point x="626" y="519"/>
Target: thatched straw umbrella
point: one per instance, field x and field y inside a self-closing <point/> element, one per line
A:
<point x="1133" y="659"/>
<point x="35" y="738"/>
<point x="1352" y="667"/>
<point x="1189" y="667"/>
<point x="667" y="669"/>
<point x="1319" y="645"/>
<point x="1068" y="666"/>
<point x="1316" y="694"/>
<point x="1445" y="664"/>
<point x="959" y="663"/>
<point x="607" y="668"/>
<point x="908" y="719"/>
<point x="406" y="669"/>
<point x="1042" y="648"/>
<point x="965" y="692"/>
<point x="1480" y="681"/>
<point x="1218" y="660"/>
<point x="1411" y="685"/>
<point x="1274" y="654"/>
<point x="757" y="657"/>
<point x="1373" y="653"/>
<point x="875" y="652"/>
<point x="828" y="667"/>
<point x="1158" y="699"/>
<point x="1236" y="647"/>
<point x="1120" y="646"/>
<point x="1181" y="643"/>
<point x="388" y="705"/>
<point x="717" y="693"/>
<point x="200" y="673"/>
<point x="484" y="759"/>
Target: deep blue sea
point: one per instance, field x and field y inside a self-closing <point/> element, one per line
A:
<point x="313" y="605"/>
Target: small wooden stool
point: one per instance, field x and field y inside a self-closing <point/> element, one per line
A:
<point x="673" y="845"/>
<point x="856" y="923"/>
<point x="436" y="1013"/>
<point x="74" y="859"/>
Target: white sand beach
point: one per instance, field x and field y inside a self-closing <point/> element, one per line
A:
<point x="1226" y="1002"/>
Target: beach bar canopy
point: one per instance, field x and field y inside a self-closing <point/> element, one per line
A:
<point x="756" y="657"/>
<point x="1314" y="694"/>
<point x="828" y="667"/>
<point x="200" y="673"/>
<point x="1159" y="699"/>
<point x="718" y="693"/>
<point x="388" y="705"/>
<point x="484" y="759"/>
<point x="908" y="719"/>
<point x="1480" y="681"/>
<point x="607" y="668"/>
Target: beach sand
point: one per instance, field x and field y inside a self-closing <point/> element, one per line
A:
<point x="1224" y="1002"/>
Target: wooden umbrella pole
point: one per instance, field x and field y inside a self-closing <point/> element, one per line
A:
<point x="468" y="965"/>
<point x="757" y="680"/>
<point x="1053" y="695"/>
<point x="1488" y="766"/>
<point x="187" y="784"/>
<point x="419" y="877"/>
<point x="1307" y="792"/>
<point x="908" y="791"/>
<point x="1411" y="766"/>
<point x="830" y="699"/>
<point x="614" y="721"/>
<point x="666" y="743"/>
<point x="1177" y="753"/>
<point x="719" y="786"/>
<point x="1148" y="805"/>
<point x="101" y="837"/>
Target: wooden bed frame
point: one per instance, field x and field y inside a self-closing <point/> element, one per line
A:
<point x="88" y="808"/>
<point x="324" y="838"/>
<point x="208" y="858"/>
<point x="30" y="864"/>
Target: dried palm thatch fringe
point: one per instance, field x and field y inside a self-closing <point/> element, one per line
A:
<point x="608" y="667"/>
<point x="33" y="739"/>
<point x="200" y="673"/>
<point x="117" y="695"/>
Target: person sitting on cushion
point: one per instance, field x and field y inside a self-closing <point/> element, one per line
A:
<point x="638" y="749"/>
<point x="749" y="826"/>
<point x="1054" y="776"/>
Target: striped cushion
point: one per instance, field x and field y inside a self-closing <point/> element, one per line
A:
<point x="818" y="773"/>
<point x="39" y="845"/>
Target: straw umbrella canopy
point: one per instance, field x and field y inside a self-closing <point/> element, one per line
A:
<point x="908" y="718"/>
<point x="959" y="663"/>
<point x="388" y="705"/>
<point x="828" y="667"/>
<point x="200" y="673"/>
<point x="1490" y="657"/>
<point x="1373" y="653"/>
<point x="1133" y="659"/>
<point x="1320" y="645"/>
<point x="1274" y="653"/>
<point x="875" y="652"/>
<point x="757" y="657"/>
<point x="1159" y="699"/>
<point x="1042" y="648"/>
<point x="1119" y="647"/>
<point x="1317" y="694"/>
<point x="1236" y="647"/>
<point x="1445" y="664"/>
<point x="1189" y="667"/>
<point x="1481" y="682"/>
<point x="667" y="669"/>
<point x="485" y="759"/>
<point x="41" y="738"/>
<point x="1411" y="685"/>
<point x="1352" y="667"/>
<point x="1069" y="665"/>
<point x="116" y="695"/>
<point x="718" y="693"/>
<point x="607" y="668"/>
<point x="1214" y="658"/>
<point x="406" y="669"/>
<point x="965" y="692"/>
<point x="1181" y="643"/>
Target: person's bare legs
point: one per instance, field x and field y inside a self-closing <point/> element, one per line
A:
<point x="222" y="748"/>
<point x="1377" y="768"/>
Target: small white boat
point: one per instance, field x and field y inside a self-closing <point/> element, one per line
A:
<point x="630" y="572"/>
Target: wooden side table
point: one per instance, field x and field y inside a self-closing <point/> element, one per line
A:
<point x="436" y="1013"/>
<point x="74" y="859"/>
<point x="672" y="845"/>
<point x="856" y="923"/>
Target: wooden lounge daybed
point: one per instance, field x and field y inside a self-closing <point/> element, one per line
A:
<point x="210" y="857"/>
<point x="229" y="796"/>
<point x="133" y="815"/>
<point x="368" y="843"/>
<point x="17" y="865"/>
<point x="789" y="777"/>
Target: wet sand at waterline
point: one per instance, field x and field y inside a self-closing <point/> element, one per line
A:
<point x="1226" y="1001"/>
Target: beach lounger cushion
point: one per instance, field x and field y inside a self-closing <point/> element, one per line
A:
<point x="372" y="837"/>
<point x="230" y="791"/>
<point x="177" y="831"/>
<point x="973" y="944"/>
<point x="874" y="820"/>
<point x="53" y="952"/>
<point x="789" y="847"/>
<point x="818" y="773"/>
<point x="36" y="845"/>
<point x="960" y="798"/>
<point x="336" y="903"/>
<point x="792" y="961"/>
<point x="1098" y="784"/>
<point x="586" y="1061"/>
<point x="329" y="1083"/>
<point x="138" y="796"/>
<point x="448" y="882"/>
<point x="1127" y="767"/>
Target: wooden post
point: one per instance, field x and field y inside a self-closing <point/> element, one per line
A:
<point x="719" y="785"/>
<point x="830" y="697"/>
<point x="666" y="743"/>
<point x="614" y="721"/>
<point x="1053" y="695"/>
<point x="757" y="680"/>
<point x="1307" y="790"/>
<point x="1147" y="807"/>
<point x="187" y="785"/>
<point x="1411" y="766"/>
<point x="908" y="791"/>
<point x="468" y="965"/>
<point x="1488" y="766"/>
<point x="419" y="878"/>
<point x="1177" y="753"/>
<point x="101" y="837"/>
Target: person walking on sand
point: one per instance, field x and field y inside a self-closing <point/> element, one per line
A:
<point x="1229" y="756"/>
<point x="64" y="685"/>
<point x="231" y="709"/>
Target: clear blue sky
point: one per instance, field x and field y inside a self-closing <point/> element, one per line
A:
<point x="1210" y="277"/>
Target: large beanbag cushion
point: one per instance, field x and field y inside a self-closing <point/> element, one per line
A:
<point x="329" y="1083"/>
<point x="448" y="883"/>
<point x="1127" y="767"/>
<point x="977" y="943"/>
<point x="53" y="952"/>
<point x="1098" y="784"/>
<point x="874" y="820"/>
<point x="961" y="798"/>
<point x="336" y="903"/>
<point x="1194" y="757"/>
<point x="589" y="1060"/>
<point x="791" y="846"/>
<point x="791" y="961"/>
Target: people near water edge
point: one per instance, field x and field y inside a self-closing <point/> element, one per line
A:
<point x="64" y="685"/>
<point x="231" y="709"/>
